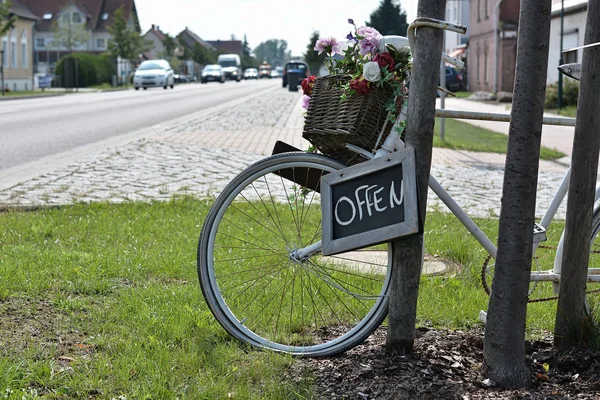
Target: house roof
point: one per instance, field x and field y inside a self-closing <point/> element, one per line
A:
<point x="20" y="10"/>
<point x="155" y="30"/>
<point x="228" y="46"/>
<point x="191" y="39"/>
<point x="94" y="10"/>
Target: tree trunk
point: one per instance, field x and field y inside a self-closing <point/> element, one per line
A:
<point x="408" y="252"/>
<point x="504" y="342"/>
<point x="580" y="203"/>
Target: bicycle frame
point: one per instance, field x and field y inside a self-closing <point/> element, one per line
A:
<point x="394" y="142"/>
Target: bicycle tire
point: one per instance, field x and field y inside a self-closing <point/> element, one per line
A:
<point x="319" y="323"/>
<point x="592" y="305"/>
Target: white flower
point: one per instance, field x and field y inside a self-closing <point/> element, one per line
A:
<point x="371" y="71"/>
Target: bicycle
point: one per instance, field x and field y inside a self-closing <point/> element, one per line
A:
<point x="260" y="266"/>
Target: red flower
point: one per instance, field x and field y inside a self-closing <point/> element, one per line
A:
<point x="361" y="85"/>
<point x="385" y="60"/>
<point x="307" y="85"/>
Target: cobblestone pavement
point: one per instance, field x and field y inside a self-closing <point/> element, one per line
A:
<point x="200" y="155"/>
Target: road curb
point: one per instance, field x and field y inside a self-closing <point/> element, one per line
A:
<point x="42" y="96"/>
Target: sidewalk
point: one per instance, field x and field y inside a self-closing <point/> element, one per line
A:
<point x="555" y="137"/>
<point x="198" y="155"/>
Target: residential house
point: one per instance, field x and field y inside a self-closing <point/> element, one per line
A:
<point x="95" y="16"/>
<point x="191" y="40"/>
<point x="228" y="46"/>
<point x="157" y="37"/>
<point x="16" y="45"/>
<point x="493" y="44"/>
<point x="574" y="18"/>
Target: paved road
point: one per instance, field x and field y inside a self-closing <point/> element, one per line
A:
<point x="34" y="128"/>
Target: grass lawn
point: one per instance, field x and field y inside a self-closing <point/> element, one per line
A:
<point x="30" y="93"/>
<point x="463" y="136"/>
<point x="463" y="94"/>
<point x="103" y="301"/>
<point x="570" y="111"/>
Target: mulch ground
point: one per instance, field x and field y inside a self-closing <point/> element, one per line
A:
<point x="446" y="365"/>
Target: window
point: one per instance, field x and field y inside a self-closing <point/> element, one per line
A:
<point x="478" y="64"/>
<point x="478" y="10"/>
<point x="40" y="43"/>
<point x="485" y="65"/>
<point x="76" y="18"/>
<point x="104" y="16"/>
<point x="100" y="43"/>
<point x="486" y="10"/>
<point x="13" y="50"/>
<point x="570" y="57"/>
<point x="48" y="16"/>
<point x="24" y="52"/>
<point x="66" y="18"/>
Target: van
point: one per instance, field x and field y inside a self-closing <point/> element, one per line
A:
<point x="232" y="66"/>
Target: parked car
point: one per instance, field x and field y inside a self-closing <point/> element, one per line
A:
<point x="212" y="73"/>
<point x="275" y="74"/>
<point x="298" y="66"/>
<point x="250" y="73"/>
<point x="454" y="80"/>
<point x="154" y="73"/>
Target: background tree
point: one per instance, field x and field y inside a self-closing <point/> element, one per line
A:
<point x="68" y="35"/>
<point x="126" y="43"/>
<point x="273" y="51"/>
<point x="247" y="60"/>
<point x="504" y="342"/>
<point x="389" y="19"/>
<point x="312" y="57"/>
<point x="7" y="20"/>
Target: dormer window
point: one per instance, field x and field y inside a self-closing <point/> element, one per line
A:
<point x="48" y="16"/>
<point x="76" y="18"/>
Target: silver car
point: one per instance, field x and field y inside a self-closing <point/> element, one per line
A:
<point x="154" y="73"/>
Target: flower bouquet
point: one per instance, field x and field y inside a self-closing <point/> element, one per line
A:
<point x="360" y="99"/>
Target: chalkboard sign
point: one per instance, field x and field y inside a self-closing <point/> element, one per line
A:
<point x="369" y="203"/>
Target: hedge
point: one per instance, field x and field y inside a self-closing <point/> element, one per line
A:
<point x="92" y="69"/>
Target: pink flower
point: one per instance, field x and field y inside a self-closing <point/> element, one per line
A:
<point x="370" y="40"/>
<point x="305" y="101"/>
<point x="329" y="45"/>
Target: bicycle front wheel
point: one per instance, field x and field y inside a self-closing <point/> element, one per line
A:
<point x="257" y="286"/>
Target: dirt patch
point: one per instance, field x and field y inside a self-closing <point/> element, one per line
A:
<point x="446" y="365"/>
<point x="35" y="325"/>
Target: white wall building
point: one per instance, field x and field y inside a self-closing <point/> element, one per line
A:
<point x="575" y="14"/>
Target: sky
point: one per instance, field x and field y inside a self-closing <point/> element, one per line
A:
<point x="261" y="20"/>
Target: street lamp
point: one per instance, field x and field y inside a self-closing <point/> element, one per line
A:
<point x="560" y="59"/>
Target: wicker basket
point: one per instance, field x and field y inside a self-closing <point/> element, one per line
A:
<point x="331" y="122"/>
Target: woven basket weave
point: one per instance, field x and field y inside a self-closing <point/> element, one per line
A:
<point x="331" y="122"/>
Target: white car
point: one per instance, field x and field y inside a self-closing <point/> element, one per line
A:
<point x="154" y="73"/>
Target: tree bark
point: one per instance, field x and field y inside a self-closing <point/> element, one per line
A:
<point x="504" y="342"/>
<point x="408" y="252"/>
<point x="580" y="201"/>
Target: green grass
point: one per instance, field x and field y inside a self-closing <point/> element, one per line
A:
<point x="463" y="136"/>
<point x="463" y="94"/>
<point x="30" y="93"/>
<point x="107" y="87"/>
<point x="103" y="301"/>
<point x="569" y="111"/>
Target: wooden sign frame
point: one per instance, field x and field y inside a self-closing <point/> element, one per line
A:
<point x="404" y="158"/>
